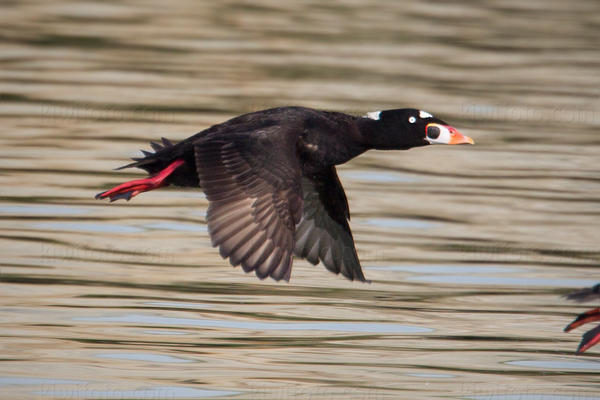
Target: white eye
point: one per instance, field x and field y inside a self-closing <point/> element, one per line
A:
<point x="412" y="119"/>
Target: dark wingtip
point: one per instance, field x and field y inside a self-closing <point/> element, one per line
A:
<point x="361" y="279"/>
<point x="261" y="276"/>
<point x="358" y="276"/>
<point x="285" y="277"/>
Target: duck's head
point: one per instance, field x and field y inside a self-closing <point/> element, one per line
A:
<point x="405" y="128"/>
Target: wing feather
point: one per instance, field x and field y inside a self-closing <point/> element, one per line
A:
<point x="323" y="233"/>
<point x="255" y="200"/>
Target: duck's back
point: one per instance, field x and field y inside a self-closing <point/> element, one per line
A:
<point x="322" y="138"/>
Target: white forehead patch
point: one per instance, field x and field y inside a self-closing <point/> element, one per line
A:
<point x="425" y="114"/>
<point x="373" y="115"/>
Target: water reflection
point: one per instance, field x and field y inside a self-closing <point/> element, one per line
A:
<point x="31" y="381"/>
<point x="87" y="227"/>
<point x="158" y="392"/>
<point x="448" y="269"/>
<point x="379" y="177"/>
<point x="500" y="280"/>
<point x="164" y="332"/>
<point x="562" y="364"/>
<point x="170" y="226"/>
<point x="261" y="326"/>
<point x="432" y="376"/>
<point x="530" y="396"/>
<point x="468" y="251"/>
<point x="154" y="358"/>
<point x="178" y="305"/>
<point x="41" y="210"/>
<point x="398" y="223"/>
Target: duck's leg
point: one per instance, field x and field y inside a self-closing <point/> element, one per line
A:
<point x="132" y="188"/>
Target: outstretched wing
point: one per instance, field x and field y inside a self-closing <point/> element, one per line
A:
<point x="323" y="233"/>
<point x="252" y="182"/>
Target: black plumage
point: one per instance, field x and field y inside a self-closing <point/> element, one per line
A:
<point x="272" y="185"/>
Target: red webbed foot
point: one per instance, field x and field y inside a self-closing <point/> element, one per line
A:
<point x="589" y="339"/>
<point x="584" y="318"/>
<point x="130" y="189"/>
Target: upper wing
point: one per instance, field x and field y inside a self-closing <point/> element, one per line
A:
<point x="254" y="192"/>
<point x="323" y="232"/>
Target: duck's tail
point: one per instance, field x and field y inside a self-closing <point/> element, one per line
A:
<point x="152" y="161"/>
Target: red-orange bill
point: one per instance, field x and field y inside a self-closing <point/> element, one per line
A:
<point x="458" y="138"/>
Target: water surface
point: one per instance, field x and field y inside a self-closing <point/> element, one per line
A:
<point x="469" y="249"/>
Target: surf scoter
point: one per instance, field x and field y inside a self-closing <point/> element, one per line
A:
<point x="271" y="182"/>
<point x="591" y="337"/>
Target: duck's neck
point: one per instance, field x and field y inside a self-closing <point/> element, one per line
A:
<point x="378" y="136"/>
<point x="373" y="134"/>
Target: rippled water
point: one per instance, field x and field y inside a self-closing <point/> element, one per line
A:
<point x="469" y="249"/>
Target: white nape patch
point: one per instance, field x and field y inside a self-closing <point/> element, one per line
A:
<point x="425" y="114"/>
<point x="373" y="115"/>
